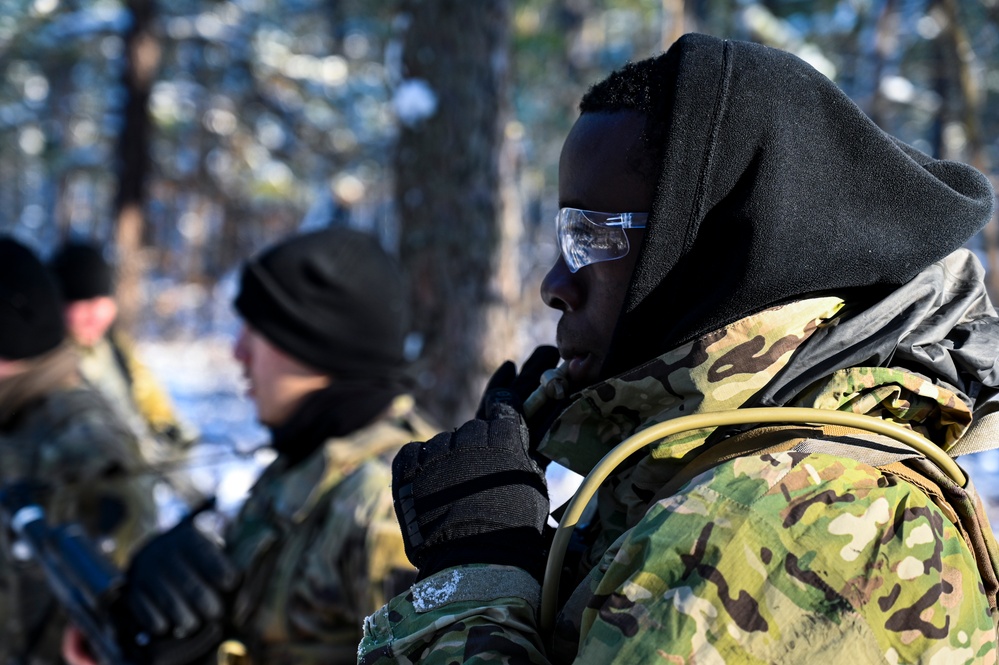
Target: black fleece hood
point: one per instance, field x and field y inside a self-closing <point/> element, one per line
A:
<point x="774" y="186"/>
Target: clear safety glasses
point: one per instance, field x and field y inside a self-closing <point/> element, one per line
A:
<point x="586" y="237"/>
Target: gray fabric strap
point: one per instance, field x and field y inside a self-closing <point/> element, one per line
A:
<point x="477" y="583"/>
<point x="983" y="433"/>
<point x="870" y="449"/>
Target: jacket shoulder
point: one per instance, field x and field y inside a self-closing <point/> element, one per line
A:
<point x="76" y="428"/>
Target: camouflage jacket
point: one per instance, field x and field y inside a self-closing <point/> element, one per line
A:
<point x="319" y="545"/>
<point x="71" y="440"/>
<point x="111" y="366"/>
<point x="763" y="559"/>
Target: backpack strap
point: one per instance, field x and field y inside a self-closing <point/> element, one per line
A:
<point x="961" y="505"/>
<point x="121" y="359"/>
<point x="982" y="434"/>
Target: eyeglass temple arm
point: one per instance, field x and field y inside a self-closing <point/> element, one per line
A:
<point x="624" y="221"/>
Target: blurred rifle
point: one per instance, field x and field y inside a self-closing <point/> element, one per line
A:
<point x="82" y="580"/>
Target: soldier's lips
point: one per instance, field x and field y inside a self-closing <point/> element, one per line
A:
<point x="580" y="366"/>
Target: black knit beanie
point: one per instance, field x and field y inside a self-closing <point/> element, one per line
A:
<point x="31" y="321"/>
<point x="332" y="299"/>
<point x="81" y="272"/>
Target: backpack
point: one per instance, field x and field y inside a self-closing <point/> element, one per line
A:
<point x="884" y="445"/>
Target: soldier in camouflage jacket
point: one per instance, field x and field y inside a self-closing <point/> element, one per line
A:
<point x="781" y="251"/>
<point x="63" y="437"/>
<point x="316" y="542"/>
<point x="319" y="547"/>
<point x="316" y="547"/>
<point x="108" y="361"/>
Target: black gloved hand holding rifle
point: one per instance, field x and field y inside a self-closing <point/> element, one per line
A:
<point x="173" y="607"/>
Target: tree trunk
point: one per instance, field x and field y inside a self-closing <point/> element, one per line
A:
<point x="885" y="44"/>
<point x="673" y="26"/>
<point x="142" y="58"/>
<point x="962" y="63"/>
<point x="454" y="244"/>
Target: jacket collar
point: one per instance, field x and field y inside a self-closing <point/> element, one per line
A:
<point x="718" y="371"/>
<point x="308" y="481"/>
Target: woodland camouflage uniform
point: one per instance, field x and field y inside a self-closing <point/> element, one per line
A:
<point x="787" y="557"/>
<point x="58" y="431"/>
<point x="319" y="546"/>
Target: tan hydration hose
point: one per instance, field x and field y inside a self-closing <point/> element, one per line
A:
<point x="790" y="415"/>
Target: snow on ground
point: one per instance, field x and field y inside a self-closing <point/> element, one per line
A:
<point x="206" y="384"/>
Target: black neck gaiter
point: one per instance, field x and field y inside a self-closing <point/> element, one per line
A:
<point x="340" y="409"/>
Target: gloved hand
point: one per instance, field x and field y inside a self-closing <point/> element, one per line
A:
<point x="506" y="386"/>
<point x="474" y="495"/>
<point x="174" y="602"/>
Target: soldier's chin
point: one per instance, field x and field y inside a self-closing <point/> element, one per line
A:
<point x="85" y="339"/>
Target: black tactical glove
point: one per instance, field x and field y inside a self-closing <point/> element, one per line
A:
<point x="174" y="603"/>
<point x="506" y="386"/>
<point x="474" y="495"/>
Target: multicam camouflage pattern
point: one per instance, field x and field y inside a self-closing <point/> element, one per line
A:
<point x="772" y="558"/>
<point x="319" y="545"/>
<point x="800" y="555"/>
<point x="891" y="394"/>
<point x="720" y="371"/>
<point x="72" y="441"/>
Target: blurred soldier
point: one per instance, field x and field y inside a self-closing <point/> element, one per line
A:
<point x="734" y="232"/>
<point x="61" y="437"/>
<point x="316" y="545"/>
<point x="109" y="363"/>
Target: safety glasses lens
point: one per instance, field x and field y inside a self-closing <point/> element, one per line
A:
<point x="583" y="241"/>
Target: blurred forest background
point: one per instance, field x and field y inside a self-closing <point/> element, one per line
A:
<point x="185" y="135"/>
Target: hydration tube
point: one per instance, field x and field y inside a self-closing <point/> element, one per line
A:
<point x="634" y="443"/>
